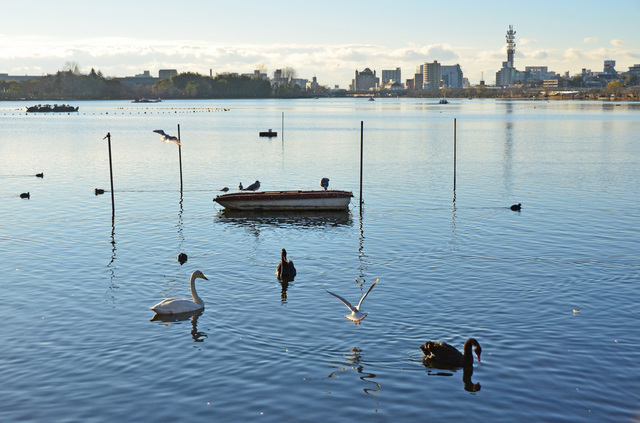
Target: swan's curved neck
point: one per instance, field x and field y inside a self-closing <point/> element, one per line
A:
<point x="467" y="353"/>
<point x="194" y="294"/>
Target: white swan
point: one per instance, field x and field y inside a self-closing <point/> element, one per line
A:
<point x="182" y="305"/>
<point x="356" y="315"/>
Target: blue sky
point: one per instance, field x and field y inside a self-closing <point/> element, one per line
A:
<point x="329" y="39"/>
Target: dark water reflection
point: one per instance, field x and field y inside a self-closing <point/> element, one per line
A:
<point x="434" y="369"/>
<point x="254" y="220"/>
<point x="168" y="319"/>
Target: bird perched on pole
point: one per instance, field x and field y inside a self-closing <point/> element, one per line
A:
<point x="253" y="187"/>
<point x="167" y="137"/>
<point x="324" y="183"/>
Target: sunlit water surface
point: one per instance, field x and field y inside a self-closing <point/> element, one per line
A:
<point x="77" y="342"/>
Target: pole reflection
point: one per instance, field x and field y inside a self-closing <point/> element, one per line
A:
<point x="353" y="361"/>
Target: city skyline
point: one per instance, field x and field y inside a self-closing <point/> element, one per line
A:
<point x="329" y="40"/>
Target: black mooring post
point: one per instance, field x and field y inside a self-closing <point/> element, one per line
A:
<point x="113" y="204"/>
<point x="454" y="156"/>
<point x="180" y="156"/>
<point x="361" y="154"/>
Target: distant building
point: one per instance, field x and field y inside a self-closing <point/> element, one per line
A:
<point x="431" y="75"/>
<point x="418" y="81"/>
<point x="17" y="78"/>
<point x="365" y="80"/>
<point x="312" y="85"/>
<point x="300" y="82"/>
<point x="610" y="67"/>
<point x="452" y="76"/>
<point x="633" y="70"/>
<point x="508" y="75"/>
<point x="141" y="79"/>
<point x="537" y="73"/>
<point x="391" y="76"/>
<point x="257" y="74"/>
<point x="167" y="73"/>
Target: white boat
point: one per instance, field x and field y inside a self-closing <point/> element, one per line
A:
<point x="286" y="200"/>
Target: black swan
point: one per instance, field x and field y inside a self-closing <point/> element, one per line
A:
<point x="445" y="354"/>
<point x="285" y="269"/>
<point x="516" y="207"/>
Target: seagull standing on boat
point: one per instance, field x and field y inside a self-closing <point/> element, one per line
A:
<point x="324" y="183"/>
<point x="285" y="269"/>
<point x="225" y="189"/>
<point x="167" y="137"/>
<point x="356" y="315"/>
<point x="253" y="187"/>
<point x="240" y="187"/>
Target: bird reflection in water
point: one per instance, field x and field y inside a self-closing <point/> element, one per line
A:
<point x="434" y="369"/>
<point x="284" y="282"/>
<point x="168" y="319"/>
<point x="353" y="358"/>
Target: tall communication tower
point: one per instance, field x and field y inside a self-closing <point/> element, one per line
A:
<point x="511" y="45"/>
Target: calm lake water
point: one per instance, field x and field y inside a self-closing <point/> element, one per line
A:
<point x="78" y="342"/>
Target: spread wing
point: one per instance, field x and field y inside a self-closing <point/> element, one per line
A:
<point x="367" y="293"/>
<point x="345" y="302"/>
<point x="159" y="131"/>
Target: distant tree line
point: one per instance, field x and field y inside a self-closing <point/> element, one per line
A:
<point x="71" y="84"/>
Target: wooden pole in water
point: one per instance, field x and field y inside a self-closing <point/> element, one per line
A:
<point x="454" y="155"/>
<point x="113" y="204"/>
<point x="282" y="130"/>
<point x="361" y="154"/>
<point x="180" y="156"/>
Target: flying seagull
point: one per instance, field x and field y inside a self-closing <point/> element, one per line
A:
<point x="356" y="315"/>
<point x="166" y="137"/>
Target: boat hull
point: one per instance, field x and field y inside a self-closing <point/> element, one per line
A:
<point x="286" y="200"/>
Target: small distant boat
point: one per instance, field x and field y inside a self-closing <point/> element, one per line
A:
<point x="47" y="108"/>
<point x="268" y="133"/>
<point x="286" y="200"/>
<point x="146" y="100"/>
<point x="444" y="101"/>
<point x="372" y="99"/>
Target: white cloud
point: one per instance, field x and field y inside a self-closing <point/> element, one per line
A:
<point x="618" y="43"/>
<point x="590" y="40"/>
<point x="527" y="41"/>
